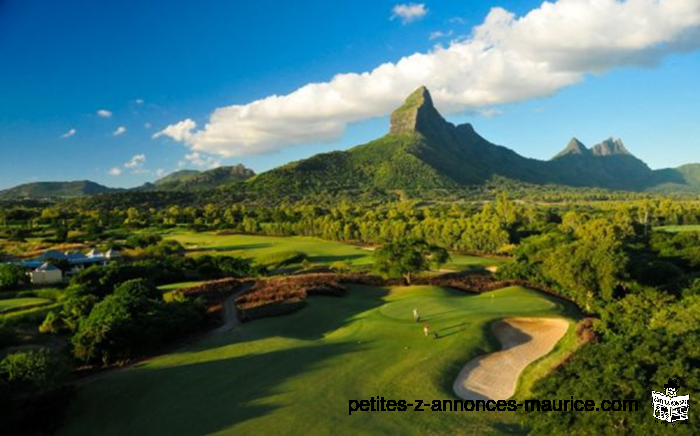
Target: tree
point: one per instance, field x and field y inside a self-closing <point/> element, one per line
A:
<point x="406" y="257"/>
<point x="12" y="276"/>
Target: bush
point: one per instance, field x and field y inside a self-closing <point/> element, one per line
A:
<point x="143" y="240"/>
<point x="133" y="320"/>
<point x="32" y="371"/>
<point x="12" y="277"/>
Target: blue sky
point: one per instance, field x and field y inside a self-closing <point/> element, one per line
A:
<point x="153" y="64"/>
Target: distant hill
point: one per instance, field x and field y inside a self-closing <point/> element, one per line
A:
<point x="41" y="190"/>
<point x="424" y="151"/>
<point x="190" y="180"/>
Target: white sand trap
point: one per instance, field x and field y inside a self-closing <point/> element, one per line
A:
<point x="494" y="376"/>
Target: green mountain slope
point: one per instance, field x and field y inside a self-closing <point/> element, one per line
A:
<point x="41" y="190"/>
<point x="423" y="151"/>
<point x="192" y="180"/>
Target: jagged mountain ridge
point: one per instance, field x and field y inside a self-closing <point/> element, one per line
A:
<point x="424" y="151"/>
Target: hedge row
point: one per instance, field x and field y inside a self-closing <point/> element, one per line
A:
<point x="290" y="288"/>
<point x="212" y="292"/>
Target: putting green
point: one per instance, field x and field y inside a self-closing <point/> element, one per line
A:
<point x="296" y="374"/>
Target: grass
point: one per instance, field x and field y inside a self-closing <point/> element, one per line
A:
<point x="317" y="250"/>
<point x="181" y="285"/>
<point x="296" y="374"/>
<point x="18" y="303"/>
<point x="678" y="229"/>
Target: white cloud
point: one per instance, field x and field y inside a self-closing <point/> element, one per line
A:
<point x="409" y="12"/>
<point x="136" y="162"/>
<point x="160" y="172"/>
<point x="506" y="59"/>
<point x="116" y="171"/>
<point x="139" y="101"/>
<point x="440" y="34"/>
<point x="120" y="131"/>
<point x="68" y="134"/>
<point x="200" y="160"/>
<point x="104" y="113"/>
<point x="180" y="132"/>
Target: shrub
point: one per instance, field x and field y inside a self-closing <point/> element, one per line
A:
<point x="12" y="276"/>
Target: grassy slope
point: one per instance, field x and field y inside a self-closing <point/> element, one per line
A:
<point x="295" y="374"/>
<point x="16" y="303"/>
<point x="318" y="250"/>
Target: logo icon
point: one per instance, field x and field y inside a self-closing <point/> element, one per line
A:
<point x="668" y="406"/>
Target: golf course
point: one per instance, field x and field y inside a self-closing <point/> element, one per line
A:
<point x="317" y="250"/>
<point x="295" y="374"/>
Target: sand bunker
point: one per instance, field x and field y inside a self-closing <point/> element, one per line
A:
<point x="494" y="376"/>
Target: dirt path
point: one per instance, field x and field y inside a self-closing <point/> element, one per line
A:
<point x="495" y="376"/>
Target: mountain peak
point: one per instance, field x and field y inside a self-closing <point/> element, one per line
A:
<point x="574" y="147"/>
<point x="417" y="114"/>
<point x="610" y="147"/>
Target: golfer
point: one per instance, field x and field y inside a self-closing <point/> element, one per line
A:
<point x="426" y="329"/>
<point x="416" y="316"/>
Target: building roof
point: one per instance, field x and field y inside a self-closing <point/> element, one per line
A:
<point x="94" y="253"/>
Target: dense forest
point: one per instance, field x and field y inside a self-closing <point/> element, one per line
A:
<point x="638" y="286"/>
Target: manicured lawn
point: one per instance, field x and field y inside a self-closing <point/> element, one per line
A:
<point x="16" y="303"/>
<point x="678" y="229"/>
<point x="295" y="374"/>
<point x="318" y="250"/>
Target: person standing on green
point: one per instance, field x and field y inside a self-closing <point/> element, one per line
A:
<point x="416" y="316"/>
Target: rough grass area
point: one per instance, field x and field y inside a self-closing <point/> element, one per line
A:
<point x="295" y="374"/>
<point x="317" y="251"/>
<point x="678" y="229"/>
<point x="18" y="303"/>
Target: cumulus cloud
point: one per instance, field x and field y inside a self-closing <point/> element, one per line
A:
<point x="68" y="134"/>
<point x="408" y="13"/>
<point x="200" y="160"/>
<point x="136" y="162"/>
<point x="505" y="59"/>
<point x="120" y="131"/>
<point x="104" y="113"/>
<point x="116" y="171"/>
<point x="180" y="132"/>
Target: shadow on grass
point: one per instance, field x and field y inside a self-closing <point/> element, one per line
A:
<point x="452" y="330"/>
<point x="338" y="258"/>
<point x="211" y="396"/>
<point x="198" y="398"/>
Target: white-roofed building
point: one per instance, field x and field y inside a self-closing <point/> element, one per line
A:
<point x="46" y="274"/>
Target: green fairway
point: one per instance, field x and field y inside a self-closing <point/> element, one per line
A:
<point x="181" y="285"/>
<point x="678" y="229"/>
<point x="17" y="303"/>
<point x="319" y="251"/>
<point x="296" y="374"/>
